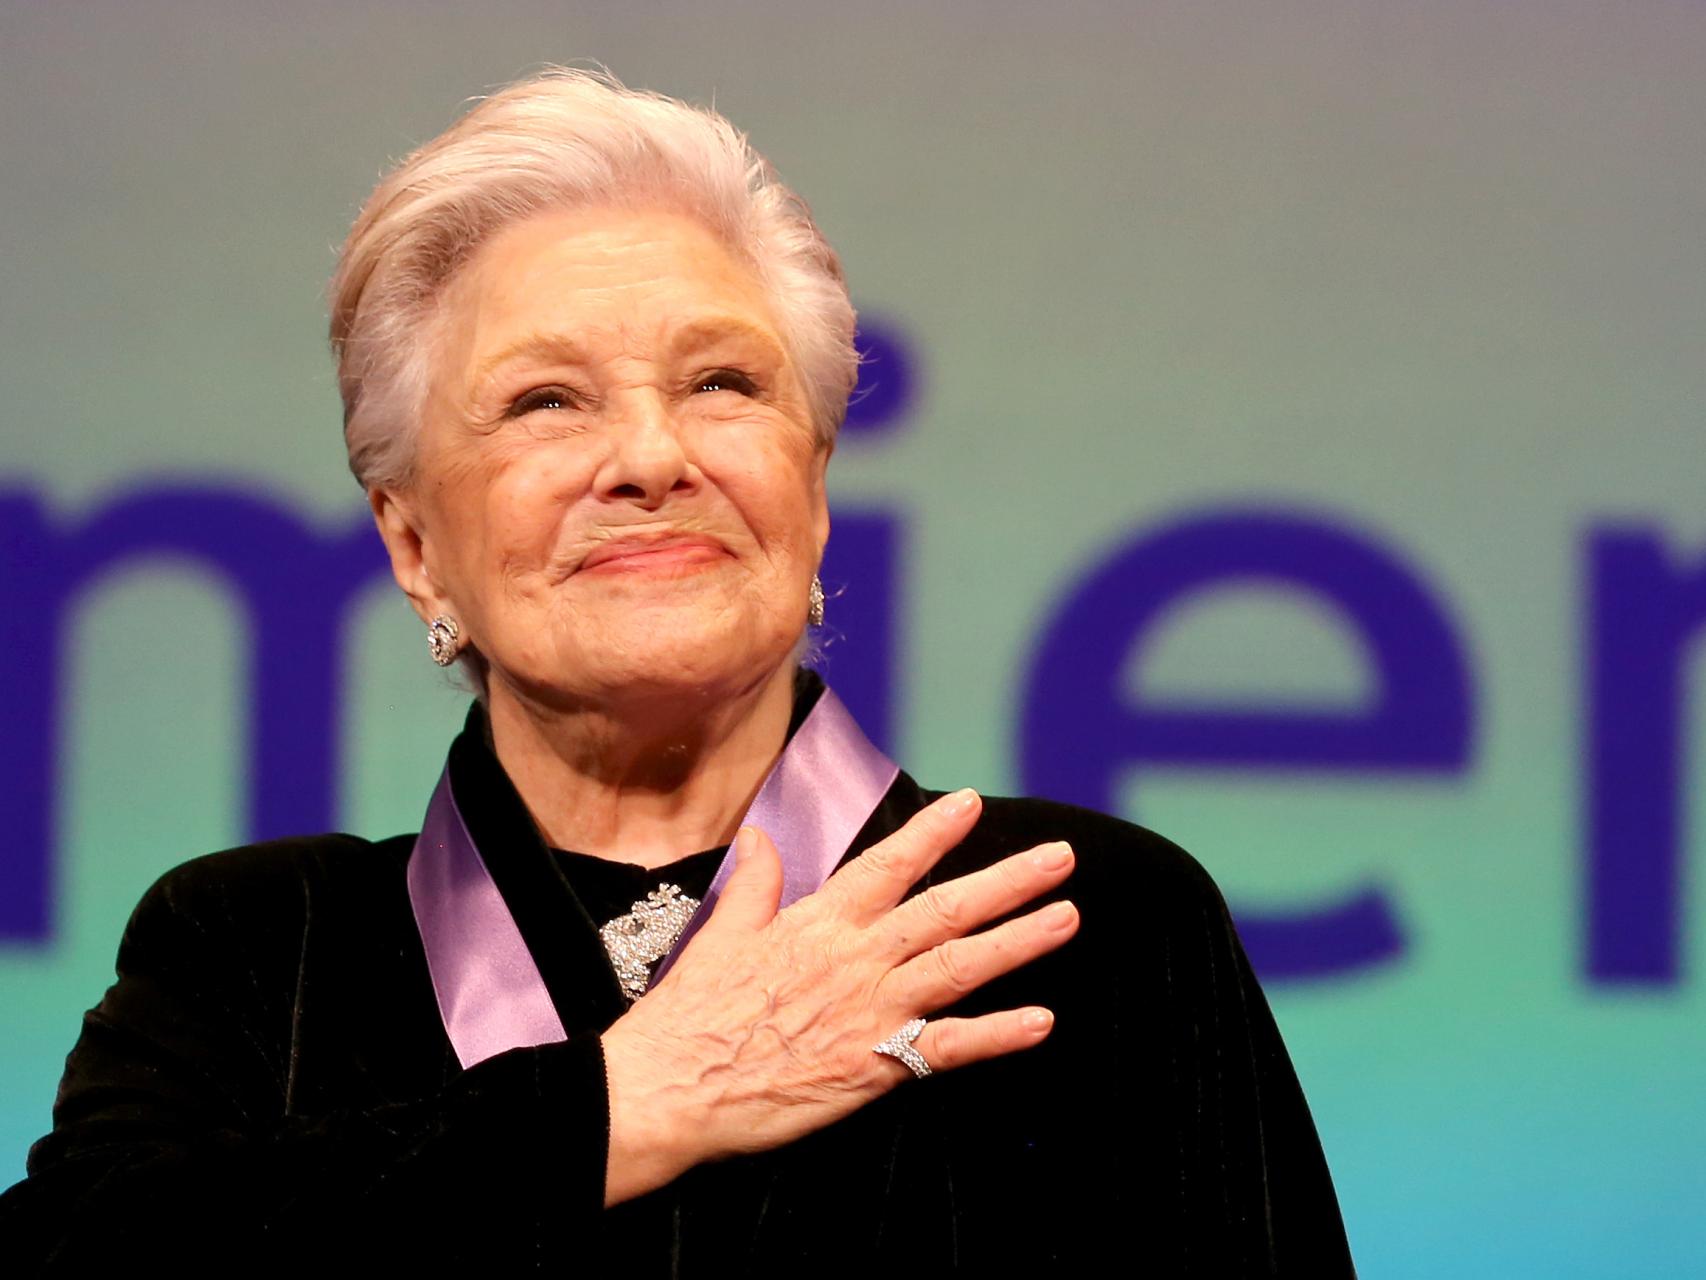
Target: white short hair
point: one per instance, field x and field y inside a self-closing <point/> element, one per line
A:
<point x="564" y="139"/>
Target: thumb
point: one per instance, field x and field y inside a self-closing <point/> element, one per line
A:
<point x="749" y="900"/>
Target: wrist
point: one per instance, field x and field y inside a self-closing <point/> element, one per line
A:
<point x="650" y="1133"/>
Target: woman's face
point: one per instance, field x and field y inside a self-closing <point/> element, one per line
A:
<point x="619" y="494"/>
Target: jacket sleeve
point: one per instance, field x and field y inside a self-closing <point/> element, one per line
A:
<point x="1263" y="1202"/>
<point x="174" y="1139"/>
<point x="1162" y="1117"/>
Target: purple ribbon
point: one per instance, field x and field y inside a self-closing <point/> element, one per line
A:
<point x="828" y="781"/>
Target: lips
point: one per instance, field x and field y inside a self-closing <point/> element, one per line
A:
<point x="659" y="550"/>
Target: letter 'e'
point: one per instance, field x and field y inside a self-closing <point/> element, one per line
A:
<point x="1077" y="734"/>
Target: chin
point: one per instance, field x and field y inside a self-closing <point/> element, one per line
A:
<point x="693" y="664"/>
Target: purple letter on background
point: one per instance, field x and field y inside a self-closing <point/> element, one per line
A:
<point x="862" y="564"/>
<point x="295" y="585"/>
<point x="1643" y="609"/>
<point x="1077" y="734"/>
<point x="887" y="383"/>
<point x="860" y="635"/>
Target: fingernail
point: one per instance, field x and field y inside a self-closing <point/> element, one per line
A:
<point x="1058" y="915"/>
<point x="1052" y="857"/>
<point x="1036" y="1019"/>
<point x="743" y="844"/>
<point x="959" y="802"/>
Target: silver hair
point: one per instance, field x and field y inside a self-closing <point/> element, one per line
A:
<point x="564" y="139"/>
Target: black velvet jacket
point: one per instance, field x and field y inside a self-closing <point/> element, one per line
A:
<point x="268" y="1087"/>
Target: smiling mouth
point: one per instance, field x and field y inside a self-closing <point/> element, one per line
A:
<point x="669" y="554"/>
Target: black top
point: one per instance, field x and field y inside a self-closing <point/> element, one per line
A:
<point x="268" y="1088"/>
<point x="609" y="889"/>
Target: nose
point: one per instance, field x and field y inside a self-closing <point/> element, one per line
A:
<point x="646" y="462"/>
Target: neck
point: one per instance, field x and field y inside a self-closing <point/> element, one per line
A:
<point x="648" y="781"/>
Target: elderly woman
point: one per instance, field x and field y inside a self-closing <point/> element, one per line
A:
<point x="681" y="976"/>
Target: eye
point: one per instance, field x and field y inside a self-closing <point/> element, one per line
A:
<point x="552" y="397"/>
<point x="726" y="380"/>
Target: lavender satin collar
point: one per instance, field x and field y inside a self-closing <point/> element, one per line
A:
<point x="828" y="781"/>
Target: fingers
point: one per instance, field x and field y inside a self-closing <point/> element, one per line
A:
<point x="748" y="901"/>
<point x="958" y="966"/>
<point x="958" y="906"/>
<point x="958" y="1042"/>
<point x="878" y="878"/>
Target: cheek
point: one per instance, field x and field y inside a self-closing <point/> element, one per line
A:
<point x="524" y="499"/>
<point x="771" y="482"/>
<point x="505" y="519"/>
<point x="779" y="513"/>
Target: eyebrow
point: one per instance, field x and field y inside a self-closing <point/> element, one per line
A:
<point x="711" y="329"/>
<point x="562" y="348"/>
<point x="547" y="347"/>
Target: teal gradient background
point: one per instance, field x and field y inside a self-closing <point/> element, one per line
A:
<point x="1437" y="272"/>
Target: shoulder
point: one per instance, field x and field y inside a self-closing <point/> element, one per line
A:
<point x="1103" y="844"/>
<point x="275" y="868"/>
<point x="1115" y="858"/>
<point x="1155" y="944"/>
<point x="262" y="896"/>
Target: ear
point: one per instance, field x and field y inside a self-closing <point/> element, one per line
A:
<point x="820" y="498"/>
<point x="400" y="529"/>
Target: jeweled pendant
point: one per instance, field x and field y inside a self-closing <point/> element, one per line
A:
<point x="636" y="941"/>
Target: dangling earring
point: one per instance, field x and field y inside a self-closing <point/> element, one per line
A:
<point x="814" y="611"/>
<point x="442" y="633"/>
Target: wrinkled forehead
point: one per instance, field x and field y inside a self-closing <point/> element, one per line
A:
<point x="602" y="279"/>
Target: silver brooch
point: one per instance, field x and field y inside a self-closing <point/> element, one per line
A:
<point x="644" y="936"/>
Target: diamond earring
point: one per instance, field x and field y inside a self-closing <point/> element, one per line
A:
<point x="814" y="611"/>
<point x="442" y="634"/>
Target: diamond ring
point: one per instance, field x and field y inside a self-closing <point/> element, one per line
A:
<point x="899" y="1045"/>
